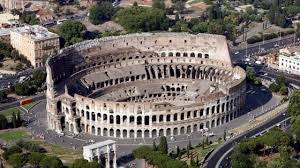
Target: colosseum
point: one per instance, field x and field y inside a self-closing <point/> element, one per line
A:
<point x="144" y="85"/>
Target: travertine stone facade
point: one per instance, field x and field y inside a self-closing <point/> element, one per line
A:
<point x="144" y="85"/>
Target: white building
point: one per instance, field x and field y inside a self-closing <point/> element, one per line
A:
<point x="289" y="61"/>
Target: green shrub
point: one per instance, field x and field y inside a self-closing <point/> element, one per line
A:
<point x="17" y="160"/>
<point x="12" y="150"/>
<point x="51" y="162"/>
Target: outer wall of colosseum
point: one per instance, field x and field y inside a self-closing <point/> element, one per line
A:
<point x="144" y="85"/>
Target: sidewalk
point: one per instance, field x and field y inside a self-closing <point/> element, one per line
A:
<point x="261" y="119"/>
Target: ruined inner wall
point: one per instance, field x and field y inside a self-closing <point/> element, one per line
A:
<point x="103" y="67"/>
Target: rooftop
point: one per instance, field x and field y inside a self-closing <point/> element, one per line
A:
<point x="4" y="32"/>
<point x="98" y="144"/>
<point x="36" y="32"/>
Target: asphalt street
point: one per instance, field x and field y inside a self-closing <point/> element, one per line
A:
<point x="214" y="158"/>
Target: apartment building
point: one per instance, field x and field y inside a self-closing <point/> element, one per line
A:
<point x="36" y="43"/>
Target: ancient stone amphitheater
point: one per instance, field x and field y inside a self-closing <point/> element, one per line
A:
<point x="144" y="85"/>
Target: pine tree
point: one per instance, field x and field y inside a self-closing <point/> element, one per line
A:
<point x="197" y="160"/>
<point x="189" y="145"/>
<point x="178" y="151"/>
<point x="154" y="146"/>
<point x="14" y="120"/>
<point x="19" y="120"/>
<point x="188" y="152"/>
<point x="163" y="145"/>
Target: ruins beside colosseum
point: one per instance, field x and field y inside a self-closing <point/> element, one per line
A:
<point x="144" y="85"/>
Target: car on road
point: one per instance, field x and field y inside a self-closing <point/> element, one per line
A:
<point x="237" y="52"/>
<point x="211" y="134"/>
<point x="276" y="45"/>
<point x="258" y="62"/>
<point x="247" y="59"/>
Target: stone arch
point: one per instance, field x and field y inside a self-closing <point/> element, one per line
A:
<point x="104" y="131"/>
<point x="195" y="128"/>
<point x="175" y="131"/>
<point x="188" y="129"/>
<point x="146" y="133"/>
<point x="125" y="133"/>
<point x="170" y="54"/>
<point x="139" y="134"/>
<point x="163" y="54"/>
<point x="154" y="133"/>
<point x="161" y="132"/>
<point x="131" y="134"/>
<point x="93" y="130"/>
<point x="118" y="133"/>
<point x="168" y="132"/>
<point x="181" y="130"/>
<point x="111" y="132"/>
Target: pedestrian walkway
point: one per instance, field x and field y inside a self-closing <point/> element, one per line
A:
<point x="259" y="120"/>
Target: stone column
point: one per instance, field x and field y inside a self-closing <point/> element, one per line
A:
<point x="115" y="156"/>
<point x="108" y="157"/>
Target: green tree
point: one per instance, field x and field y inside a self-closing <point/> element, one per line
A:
<point x="72" y="32"/>
<point x="163" y="145"/>
<point x="274" y="87"/>
<point x="3" y="95"/>
<point x="29" y="18"/>
<point x="154" y="146"/>
<point x="283" y="90"/>
<point x="14" y="120"/>
<point x="35" y="158"/>
<point x="51" y="162"/>
<point x="12" y="150"/>
<point x="83" y="163"/>
<point x="294" y="103"/>
<point x="17" y="160"/>
<point x="137" y="18"/>
<point x="159" y="4"/>
<point x="101" y="12"/>
<point x="3" y="122"/>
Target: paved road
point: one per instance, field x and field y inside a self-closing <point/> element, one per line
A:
<point x="215" y="157"/>
<point x="240" y="54"/>
<point x="17" y="103"/>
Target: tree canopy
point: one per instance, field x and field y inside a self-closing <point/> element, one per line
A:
<point x="101" y="12"/>
<point x="72" y="32"/>
<point x="142" y="19"/>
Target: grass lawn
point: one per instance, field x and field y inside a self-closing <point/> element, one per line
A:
<point x="8" y="112"/>
<point x="203" y="152"/>
<point x="13" y="135"/>
<point x="65" y="154"/>
<point x="30" y="105"/>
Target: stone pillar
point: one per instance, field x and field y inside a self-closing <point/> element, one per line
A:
<point x="115" y="156"/>
<point x="108" y="157"/>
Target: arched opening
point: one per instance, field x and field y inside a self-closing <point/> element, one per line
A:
<point x="111" y="132"/>
<point x="146" y="134"/>
<point x="131" y="134"/>
<point x="118" y="133"/>
<point x="104" y="131"/>
<point x="181" y="130"/>
<point x="169" y="132"/>
<point x="139" y="134"/>
<point x="124" y="133"/>
<point x="161" y="132"/>
<point x="154" y="133"/>
<point x="188" y="129"/>
<point x="175" y="131"/>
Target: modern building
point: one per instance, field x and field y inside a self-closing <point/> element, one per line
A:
<point x="144" y="85"/>
<point x="36" y="43"/>
<point x="289" y="60"/>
